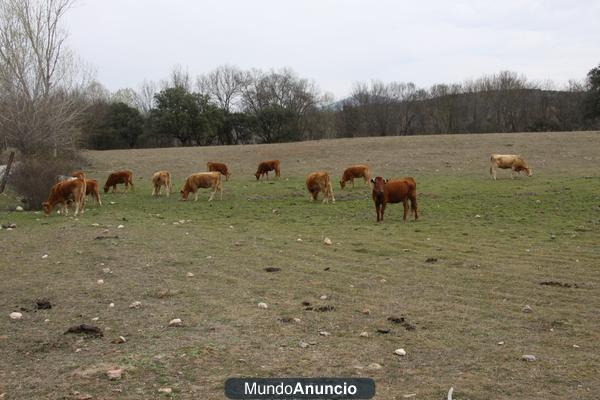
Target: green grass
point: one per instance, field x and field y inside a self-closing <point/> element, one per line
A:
<point x="528" y="230"/>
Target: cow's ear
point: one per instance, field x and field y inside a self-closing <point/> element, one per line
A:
<point x="373" y="180"/>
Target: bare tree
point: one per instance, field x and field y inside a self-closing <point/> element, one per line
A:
<point x="40" y="81"/>
<point x="144" y="99"/>
<point x="223" y="86"/>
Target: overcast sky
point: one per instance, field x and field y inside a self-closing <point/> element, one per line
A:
<point x="335" y="42"/>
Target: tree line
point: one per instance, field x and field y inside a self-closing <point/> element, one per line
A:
<point x="49" y="104"/>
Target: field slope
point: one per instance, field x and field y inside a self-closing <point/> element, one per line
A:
<point x="459" y="277"/>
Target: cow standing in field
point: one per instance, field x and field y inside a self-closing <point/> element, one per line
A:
<point x="265" y="166"/>
<point x="218" y="167"/>
<point x="65" y="192"/>
<point x="160" y="179"/>
<point x="319" y="182"/>
<point x="202" y="180"/>
<point x="355" y="171"/>
<point x="91" y="189"/>
<point x="506" y="161"/>
<point x="394" y="191"/>
<point x="117" y="177"/>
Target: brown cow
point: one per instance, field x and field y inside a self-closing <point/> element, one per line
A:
<point x="63" y="193"/>
<point x="394" y="191"/>
<point x="355" y="171"/>
<point x="91" y="189"/>
<point x="506" y="161"/>
<point x="265" y="166"/>
<point x="218" y="167"/>
<point x="319" y="182"/>
<point x="160" y="179"/>
<point x="202" y="180"/>
<point x="123" y="176"/>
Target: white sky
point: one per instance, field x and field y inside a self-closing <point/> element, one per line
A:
<point x="335" y="42"/>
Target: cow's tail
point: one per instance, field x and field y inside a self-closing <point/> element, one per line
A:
<point x="130" y="177"/>
<point x="169" y="188"/>
<point x="413" y="200"/>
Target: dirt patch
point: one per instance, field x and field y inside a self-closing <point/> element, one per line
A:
<point x="559" y="284"/>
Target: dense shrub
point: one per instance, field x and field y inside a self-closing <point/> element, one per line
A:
<point x="32" y="178"/>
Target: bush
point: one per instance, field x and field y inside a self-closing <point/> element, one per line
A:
<point x="32" y="178"/>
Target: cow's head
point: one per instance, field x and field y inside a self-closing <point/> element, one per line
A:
<point x="257" y="175"/>
<point x="184" y="194"/>
<point x="378" y="184"/>
<point x="46" y="207"/>
<point x="106" y="188"/>
<point x="522" y="166"/>
<point x="342" y="184"/>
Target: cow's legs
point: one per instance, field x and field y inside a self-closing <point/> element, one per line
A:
<point x="492" y="172"/>
<point x="382" y="210"/>
<point x="196" y="195"/>
<point x="377" y="211"/>
<point x="405" y="204"/>
<point x="212" y="194"/>
<point x="352" y="180"/>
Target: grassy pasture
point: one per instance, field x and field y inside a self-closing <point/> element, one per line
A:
<point x="495" y="243"/>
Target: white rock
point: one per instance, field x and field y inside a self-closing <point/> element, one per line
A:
<point x="175" y="322"/>
<point x="135" y="304"/>
<point x="327" y="241"/>
<point x="95" y="319"/>
<point x="112" y="203"/>
<point x="400" y="352"/>
<point x="46" y="320"/>
<point x="501" y="343"/>
<point x="114" y="374"/>
<point x="120" y="340"/>
<point x="364" y="334"/>
<point x="263" y="305"/>
<point x="95" y="224"/>
<point x="44" y="256"/>
<point x="298" y="320"/>
<point x="299" y="240"/>
<point x="324" y="333"/>
<point x="374" y="366"/>
<point x="106" y="270"/>
<point x="303" y="344"/>
<point x="189" y="274"/>
<point x="527" y="309"/>
<point x="324" y="297"/>
<point x="576" y="346"/>
<point x="16" y="315"/>
<point x="18" y="208"/>
<point x="477" y="216"/>
<point x="111" y="305"/>
<point x="120" y="226"/>
<point x="528" y="357"/>
<point x="166" y="390"/>
<point x="100" y="281"/>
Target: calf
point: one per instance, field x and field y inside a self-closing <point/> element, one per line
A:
<point x="355" y="171"/>
<point x="506" y="161"/>
<point x="218" y="167"/>
<point x="91" y="189"/>
<point x="117" y="177"/>
<point x="394" y="191"/>
<point x="320" y="182"/>
<point x="202" y="180"/>
<point x="63" y="193"/>
<point x="265" y="166"/>
<point x="160" y="179"/>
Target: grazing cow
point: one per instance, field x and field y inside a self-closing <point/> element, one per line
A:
<point x="506" y="161"/>
<point x="218" y="167"/>
<point x="124" y="176"/>
<point x="91" y="189"/>
<point x="160" y="179"/>
<point x="320" y="182"/>
<point x="202" y="180"/>
<point x="265" y="166"/>
<point x="63" y="193"/>
<point x="355" y="171"/>
<point x="394" y="191"/>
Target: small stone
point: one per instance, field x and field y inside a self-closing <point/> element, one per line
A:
<point x="528" y="357"/>
<point x="382" y="280"/>
<point x="189" y="274"/>
<point x="175" y="322"/>
<point x="46" y="320"/>
<point x="327" y="241"/>
<point x="297" y="320"/>
<point x="119" y="340"/>
<point x="576" y="346"/>
<point x="477" y="216"/>
<point x="112" y="203"/>
<point x="16" y="315"/>
<point x="95" y="224"/>
<point x="111" y="305"/>
<point x="324" y="297"/>
<point x="106" y="270"/>
<point x="100" y="281"/>
<point x="303" y="344"/>
<point x="527" y="309"/>
<point x="263" y="305"/>
<point x="366" y="311"/>
<point x="120" y="226"/>
<point x="374" y="366"/>
<point x="324" y="333"/>
<point x="501" y="343"/>
<point x="364" y="334"/>
<point x="18" y="208"/>
<point x="166" y="390"/>
<point x="400" y="352"/>
<point x="135" y="304"/>
<point x="114" y="374"/>
<point x="299" y="240"/>
<point x="95" y="319"/>
<point x="44" y="256"/>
